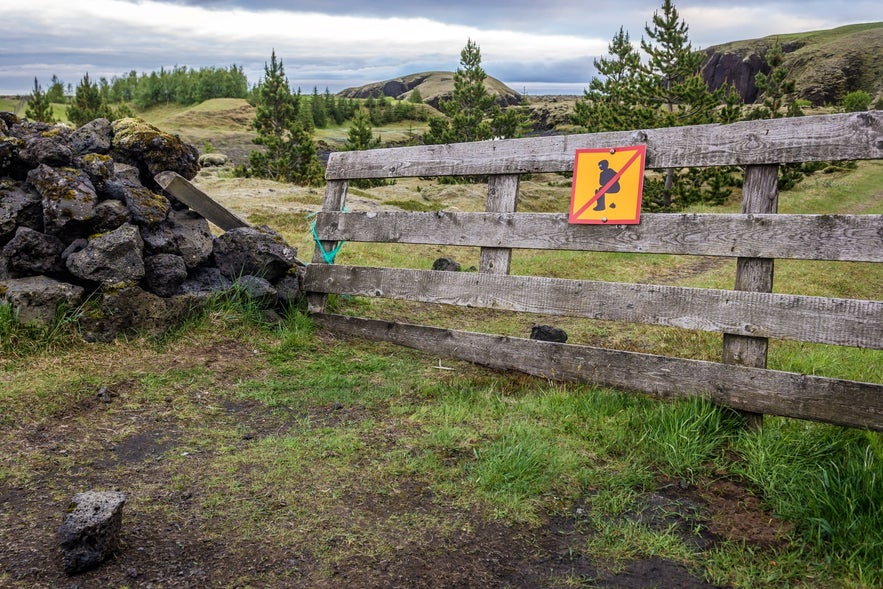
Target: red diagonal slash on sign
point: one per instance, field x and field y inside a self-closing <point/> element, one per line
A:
<point x="606" y="187"/>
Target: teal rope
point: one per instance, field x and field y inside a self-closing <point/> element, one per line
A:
<point x="328" y="256"/>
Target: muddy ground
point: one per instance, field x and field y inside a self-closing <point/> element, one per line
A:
<point x="170" y="540"/>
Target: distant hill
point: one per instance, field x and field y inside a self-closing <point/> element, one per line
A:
<point x="826" y="65"/>
<point x="433" y="86"/>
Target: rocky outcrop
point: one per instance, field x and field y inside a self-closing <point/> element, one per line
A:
<point x="825" y="65"/>
<point x="737" y="68"/>
<point x="82" y="218"/>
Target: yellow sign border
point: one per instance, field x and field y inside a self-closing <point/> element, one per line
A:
<point x="630" y="217"/>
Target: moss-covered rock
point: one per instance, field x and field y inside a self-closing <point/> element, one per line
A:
<point x="152" y="150"/>
<point x="68" y="195"/>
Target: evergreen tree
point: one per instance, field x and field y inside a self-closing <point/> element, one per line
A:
<point x="612" y="102"/>
<point x="777" y="95"/>
<point x="359" y="137"/>
<point x="674" y="88"/>
<point x="776" y="89"/>
<point x="673" y="80"/>
<point x="470" y="109"/>
<point x="415" y="96"/>
<point x="39" y="108"/>
<point x="87" y="103"/>
<point x="55" y="93"/>
<point x="331" y="107"/>
<point x="290" y="154"/>
<point x="317" y="106"/>
<point x="856" y="101"/>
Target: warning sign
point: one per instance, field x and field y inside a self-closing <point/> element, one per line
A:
<point x="607" y="185"/>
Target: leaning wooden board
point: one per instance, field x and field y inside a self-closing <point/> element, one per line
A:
<point x="193" y="197"/>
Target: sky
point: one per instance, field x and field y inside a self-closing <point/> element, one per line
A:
<point x="534" y="46"/>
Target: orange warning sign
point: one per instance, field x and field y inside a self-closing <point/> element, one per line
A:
<point x="608" y="185"/>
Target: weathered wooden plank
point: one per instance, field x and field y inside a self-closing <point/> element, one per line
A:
<point x="502" y="195"/>
<point x="757" y="390"/>
<point x="193" y="197"/>
<point x="846" y="322"/>
<point x="760" y="194"/>
<point x="810" y="237"/>
<point x="335" y="199"/>
<point x="800" y="139"/>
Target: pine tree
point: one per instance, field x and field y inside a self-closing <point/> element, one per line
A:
<point x="275" y="106"/>
<point x="55" y="93"/>
<point x="612" y="102"/>
<point x="777" y="94"/>
<point x="87" y="103"/>
<point x="39" y="108"/>
<point x="470" y="107"/>
<point x="776" y="89"/>
<point x="674" y="88"/>
<point x="317" y="106"/>
<point x="361" y="136"/>
<point x="290" y="154"/>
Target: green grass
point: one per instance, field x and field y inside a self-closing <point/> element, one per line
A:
<point x="340" y="432"/>
<point x="359" y="423"/>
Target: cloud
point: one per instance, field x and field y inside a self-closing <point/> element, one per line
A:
<point x="111" y="37"/>
<point x="353" y="42"/>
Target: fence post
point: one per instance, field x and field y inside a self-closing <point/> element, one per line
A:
<point x="760" y="194"/>
<point x="502" y="194"/>
<point x="335" y="199"/>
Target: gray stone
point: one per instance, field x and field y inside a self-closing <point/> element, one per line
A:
<point x="158" y="239"/>
<point x="288" y="288"/>
<point x="446" y="265"/>
<point x="99" y="168"/>
<point x="30" y="252"/>
<point x="109" y="215"/>
<point x="258" y="251"/>
<point x="257" y="288"/>
<point x="191" y="236"/>
<point x="152" y="150"/>
<point x="133" y="310"/>
<point x="205" y="280"/>
<point x="183" y="233"/>
<point x="93" y="137"/>
<point x="212" y="159"/>
<point x="68" y="196"/>
<point x="127" y="173"/>
<point x="39" y="298"/>
<point x="548" y="333"/>
<point x="10" y="147"/>
<point x="91" y="530"/>
<point x="47" y="149"/>
<point x="110" y="258"/>
<point x="20" y="205"/>
<point x="147" y="207"/>
<point x="165" y="273"/>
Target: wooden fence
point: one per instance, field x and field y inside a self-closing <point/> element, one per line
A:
<point x="747" y="316"/>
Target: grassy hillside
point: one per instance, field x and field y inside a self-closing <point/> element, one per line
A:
<point x="431" y="85"/>
<point x="826" y="64"/>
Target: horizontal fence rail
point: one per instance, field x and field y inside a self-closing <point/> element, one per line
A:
<point x="845" y="322"/>
<point x="748" y="316"/>
<point x="774" y="141"/>
<point x="856" y="238"/>
<point x="841" y="402"/>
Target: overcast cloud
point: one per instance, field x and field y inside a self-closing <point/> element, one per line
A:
<point x="535" y="46"/>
